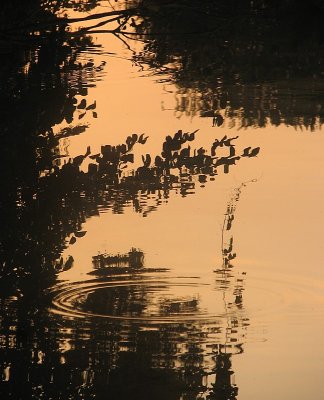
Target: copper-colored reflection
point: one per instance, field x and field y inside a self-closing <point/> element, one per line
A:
<point x="184" y="316"/>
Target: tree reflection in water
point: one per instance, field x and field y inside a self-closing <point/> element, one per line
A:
<point x="232" y="73"/>
<point x="57" y="357"/>
<point x="104" y="184"/>
<point x="66" y="357"/>
<point x="63" y="357"/>
<point x="255" y="62"/>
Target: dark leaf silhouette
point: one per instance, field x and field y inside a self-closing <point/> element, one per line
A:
<point x="218" y="120"/>
<point x="190" y="136"/>
<point x="71" y="131"/>
<point x="142" y="139"/>
<point x="246" y="152"/>
<point x="80" y="233"/>
<point x="127" y="158"/>
<point x="92" y="106"/>
<point x="146" y="160"/>
<point x="254" y="152"/>
<point x="83" y="91"/>
<point x="82" y="104"/>
<point x="68" y="264"/>
<point x="95" y="157"/>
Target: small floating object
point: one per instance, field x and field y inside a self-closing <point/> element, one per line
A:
<point x="133" y="259"/>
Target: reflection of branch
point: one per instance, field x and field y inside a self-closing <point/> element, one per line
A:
<point x="124" y="41"/>
<point x="223" y="229"/>
<point x="91" y="30"/>
<point x="111" y="5"/>
<point x="227" y="253"/>
<point x="36" y="25"/>
<point x="71" y="131"/>
<point x="173" y="168"/>
<point x="130" y="11"/>
<point x="114" y="30"/>
<point x="84" y="30"/>
<point x="153" y="34"/>
<point x="128" y="36"/>
<point x="80" y="33"/>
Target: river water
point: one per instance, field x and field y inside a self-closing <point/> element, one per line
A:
<point x="227" y="301"/>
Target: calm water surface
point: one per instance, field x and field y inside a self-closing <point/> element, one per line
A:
<point x="222" y="203"/>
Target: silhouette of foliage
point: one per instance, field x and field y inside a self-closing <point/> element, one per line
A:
<point x="51" y="356"/>
<point x="253" y="60"/>
<point x="45" y="213"/>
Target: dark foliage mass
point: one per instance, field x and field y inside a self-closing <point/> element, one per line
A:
<point x="41" y="215"/>
<point x="260" y="61"/>
<point x="254" y="59"/>
<point x="40" y="78"/>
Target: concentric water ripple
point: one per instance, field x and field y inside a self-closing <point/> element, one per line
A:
<point x="149" y="299"/>
<point x="157" y="299"/>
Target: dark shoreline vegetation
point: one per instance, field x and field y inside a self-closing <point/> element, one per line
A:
<point x="255" y="60"/>
<point x="55" y="205"/>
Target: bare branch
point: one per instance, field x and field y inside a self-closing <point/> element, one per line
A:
<point x="84" y="30"/>
<point x="130" y="11"/>
<point x="125" y="43"/>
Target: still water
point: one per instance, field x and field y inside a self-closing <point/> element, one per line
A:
<point x="161" y="239"/>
